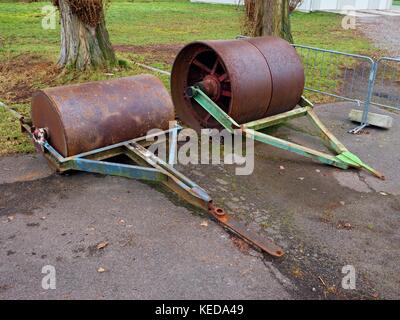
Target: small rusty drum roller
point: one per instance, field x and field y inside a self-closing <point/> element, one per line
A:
<point x="84" y="117"/>
<point x="248" y="78"/>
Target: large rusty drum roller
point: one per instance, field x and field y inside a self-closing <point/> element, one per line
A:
<point x="249" y="79"/>
<point x="85" y="117"/>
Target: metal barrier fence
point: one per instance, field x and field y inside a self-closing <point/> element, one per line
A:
<point x="341" y="75"/>
<point x="337" y="74"/>
<point x="352" y="77"/>
<point x="386" y="91"/>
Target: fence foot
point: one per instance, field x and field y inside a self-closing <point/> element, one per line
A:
<point x="358" y="129"/>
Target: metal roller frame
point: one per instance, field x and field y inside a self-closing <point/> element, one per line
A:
<point x="342" y="157"/>
<point x="148" y="167"/>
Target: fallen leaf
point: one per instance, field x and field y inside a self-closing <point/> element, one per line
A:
<point x="331" y="289"/>
<point x="297" y="273"/>
<point x="281" y="167"/>
<point x="102" y="245"/>
<point x="101" y="270"/>
<point x="204" y="224"/>
<point x="383" y="193"/>
<point x="301" y="178"/>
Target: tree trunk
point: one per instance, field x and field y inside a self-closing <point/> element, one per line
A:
<point x="82" y="45"/>
<point x="268" y="17"/>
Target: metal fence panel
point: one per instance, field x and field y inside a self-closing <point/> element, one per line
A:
<point x="386" y="90"/>
<point x="337" y="74"/>
<point x="352" y="77"/>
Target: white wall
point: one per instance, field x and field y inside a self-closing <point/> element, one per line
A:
<point x="310" y="5"/>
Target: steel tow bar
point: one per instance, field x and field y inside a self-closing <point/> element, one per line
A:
<point x="198" y="197"/>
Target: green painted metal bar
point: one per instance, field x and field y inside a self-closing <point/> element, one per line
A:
<point x="117" y="169"/>
<point x="277" y="119"/>
<point x="224" y="119"/>
<point x="354" y="161"/>
<point x="120" y="144"/>
<point x="106" y="154"/>
<point x="329" y="139"/>
<point x="344" y="159"/>
<point x="178" y="178"/>
<point x="296" y="148"/>
<point x="304" y="102"/>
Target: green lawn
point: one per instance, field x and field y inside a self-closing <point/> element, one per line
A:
<point x="164" y="22"/>
<point x="28" y="52"/>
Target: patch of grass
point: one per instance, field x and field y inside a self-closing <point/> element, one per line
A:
<point x="324" y="30"/>
<point x="28" y="52"/>
<point x="324" y="71"/>
<point x="11" y="137"/>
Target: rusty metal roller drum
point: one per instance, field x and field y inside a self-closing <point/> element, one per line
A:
<point x="83" y="117"/>
<point x="248" y="78"/>
<point x="287" y="73"/>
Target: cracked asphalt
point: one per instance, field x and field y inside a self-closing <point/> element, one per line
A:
<point x="159" y="248"/>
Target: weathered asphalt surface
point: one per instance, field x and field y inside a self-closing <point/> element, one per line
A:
<point x="158" y="248"/>
<point x="382" y="31"/>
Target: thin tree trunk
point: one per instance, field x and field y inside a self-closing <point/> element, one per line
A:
<point x="268" y="17"/>
<point x="83" y="46"/>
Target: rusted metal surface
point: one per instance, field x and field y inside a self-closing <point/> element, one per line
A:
<point x="247" y="78"/>
<point x="287" y="73"/>
<point x="239" y="229"/>
<point x="84" y="117"/>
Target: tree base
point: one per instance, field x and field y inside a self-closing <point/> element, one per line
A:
<point x="83" y="46"/>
